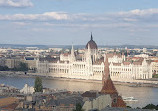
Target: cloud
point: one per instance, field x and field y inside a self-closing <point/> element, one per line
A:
<point x="55" y="15"/>
<point x="16" y="3"/>
<point x="21" y="23"/>
<point x="35" y="17"/>
<point x="146" y="15"/>
<point x="133" y="18"/>
<point x="141" y="12"/>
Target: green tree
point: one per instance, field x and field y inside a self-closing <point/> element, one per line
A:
<point x="23" y="67"/>
<point x="78" y="107"/>
<point x="150" y="106"/>
<point x="4" y="68"/>
<point x="128" y="106"/>
<point x="38" y="85"/>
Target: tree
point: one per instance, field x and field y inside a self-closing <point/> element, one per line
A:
<point x="38" y="85"/>
<point x="128" y="106"/>
<point x="150" y="106"/>
<point x="78" y="107"/>
<point x="4" y="68"/>
<point x="23" y="67"/>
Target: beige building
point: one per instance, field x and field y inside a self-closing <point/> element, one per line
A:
<point x="154" y="65"/>
<point x="12" y="62"/>
<point x="99" y="103"/>
<point x="31" y="62"/>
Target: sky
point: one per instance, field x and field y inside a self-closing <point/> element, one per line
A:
<point x="66" y="22"/>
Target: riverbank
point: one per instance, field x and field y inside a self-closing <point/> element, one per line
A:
<point x="134" y="83"/>
<point x="144" y="95"/>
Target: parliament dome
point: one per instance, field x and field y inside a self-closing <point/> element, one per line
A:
<point x="92" y="44"/>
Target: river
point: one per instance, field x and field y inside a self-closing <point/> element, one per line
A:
<point x="145" y="95"/>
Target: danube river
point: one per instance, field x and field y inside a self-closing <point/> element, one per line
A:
<point x="145" y="95"/>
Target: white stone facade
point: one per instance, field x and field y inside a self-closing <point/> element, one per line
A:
<point x="135" y="69"/>
<point x="27" y="89"/>
<point x="69" y="67"/>
<point x="130" y="71"/>
<point x="154" y="65"/>
<point x="91" y="66"/>
<point x="85" y="69"/>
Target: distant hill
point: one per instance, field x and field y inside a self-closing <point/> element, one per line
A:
<point x="20" y="46"/>
<point x="75" y="46"/>
<point x="132" y="46"/>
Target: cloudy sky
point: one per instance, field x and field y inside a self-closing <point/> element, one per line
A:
<point x="63" y="22"/>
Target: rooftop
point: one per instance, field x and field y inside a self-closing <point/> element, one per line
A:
<point x="92" y="44"/>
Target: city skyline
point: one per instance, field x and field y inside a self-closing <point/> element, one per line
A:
<point x="63" y="22"/>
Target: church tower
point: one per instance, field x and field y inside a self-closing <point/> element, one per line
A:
<point x="93" y="47"/>
<point x="109" y="88"/>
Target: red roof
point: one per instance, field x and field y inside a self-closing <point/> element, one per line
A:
<point x="109" y="88"/>
<point x="120" y="102"/>
<point x="66" y="54"/>
<point x="155" y="61"/>
<point x="126" y="63"/>
<point x="137" y="63"/>
<point x="109" y="55"/>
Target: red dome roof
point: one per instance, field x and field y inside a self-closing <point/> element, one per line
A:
<point x="92" y="44"/>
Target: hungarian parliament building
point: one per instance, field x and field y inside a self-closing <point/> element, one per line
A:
<point x="90" y="65"/>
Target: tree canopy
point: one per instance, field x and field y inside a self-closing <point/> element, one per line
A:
<point x="151" y="106"/>
<point x="78" y="107"/>
<point x="21" y="67"/>
<point x="38" y="85"/>
<point x="4" y="68"/>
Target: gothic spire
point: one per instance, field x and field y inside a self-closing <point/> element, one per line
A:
<point x="91" y="36"/>
<point x="72" y="50"/>
<point x="108" y="86"/>
<point x="72" y="54"/>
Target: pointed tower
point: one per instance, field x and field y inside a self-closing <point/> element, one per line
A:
<point x="89" y="66"/>
<point x="104" y="58"/>
<point x="109" y="88"/>
<point x="88" y="55"/>
<point x="123" y="56"/>
<point x="72" y="54"/>
<point x="89" y="49"/>
<point x="91" y="36"/>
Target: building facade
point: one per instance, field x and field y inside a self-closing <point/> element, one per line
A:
<point x="131" y="70"/>
<point x="91" y="65"/>
<point x="70" y="67"/>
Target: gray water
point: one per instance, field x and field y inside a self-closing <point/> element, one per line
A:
<point x="145" y="95"/>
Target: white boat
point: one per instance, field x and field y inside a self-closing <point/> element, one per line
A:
<point x="129" y="99"/>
